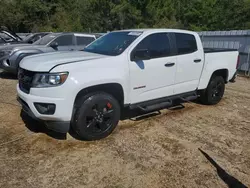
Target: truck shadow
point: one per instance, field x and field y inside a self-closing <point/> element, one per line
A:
<point x="231" y="181"/>
<point x="5" y="75"/>
<point x="133" y="115"/>
<point x="137" y="115"/>
<point x="39" y="127"/>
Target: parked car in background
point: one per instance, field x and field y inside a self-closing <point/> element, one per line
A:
<point x="147" y="69"/>
<point x="11" y="56"/>
<point x="7" y="38"/>
<point x="33" y="37"/>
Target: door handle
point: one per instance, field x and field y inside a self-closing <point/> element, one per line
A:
<point x="169" y="64"/>
<point x="197" y="60"/>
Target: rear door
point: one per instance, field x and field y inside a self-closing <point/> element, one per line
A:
<point x="153" y="78"/>
<point x="189" y="63"/>
<point x="65" y="42"/>
<point x="83" y="40"/>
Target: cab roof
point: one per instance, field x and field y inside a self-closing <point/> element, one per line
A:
<point x="156" y="30"/>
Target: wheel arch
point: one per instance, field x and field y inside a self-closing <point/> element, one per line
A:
<point x="221" y="72"/>
<point x="207" y="76"/>
<point x="114" y="89"/>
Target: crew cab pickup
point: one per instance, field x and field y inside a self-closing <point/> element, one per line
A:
<point x="145" y="70"/>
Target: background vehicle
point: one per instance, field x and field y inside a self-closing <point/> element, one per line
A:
<point x="135" y="69"/>
<point x="11" y="56"/>
<point x="33" y="37"/>
<point x="7" y="38"/>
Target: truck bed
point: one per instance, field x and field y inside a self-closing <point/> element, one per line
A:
<point x="218" y="59"/>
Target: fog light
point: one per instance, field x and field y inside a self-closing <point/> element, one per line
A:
<point x="45" y="108"/>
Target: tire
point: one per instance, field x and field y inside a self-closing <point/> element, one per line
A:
<point x="214" y="92"/>
<point x="96" y="116"/>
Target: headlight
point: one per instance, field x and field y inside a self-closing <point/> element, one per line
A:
<point x="49" y="79"/>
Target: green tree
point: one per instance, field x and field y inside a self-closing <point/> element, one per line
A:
<point x="107" y="15"/>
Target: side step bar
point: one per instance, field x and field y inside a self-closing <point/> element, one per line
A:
<point x="156" y="106"/>
<point x="166" y="102"/>
<point x="189" y="98"/>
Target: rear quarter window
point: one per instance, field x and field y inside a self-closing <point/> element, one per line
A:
<point x="185" y="43"/>
<point x="64" y="40"/>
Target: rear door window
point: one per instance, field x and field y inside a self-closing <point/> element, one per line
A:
<point x="83" y="40"/>
<point x="185" y="43"/>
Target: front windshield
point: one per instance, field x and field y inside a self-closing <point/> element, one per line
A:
<point x="28" y="37"/>
<point x="45" y="40"/>
<point x="112" y="43"/>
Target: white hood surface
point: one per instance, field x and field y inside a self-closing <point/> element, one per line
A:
<point x="46" y="61"/>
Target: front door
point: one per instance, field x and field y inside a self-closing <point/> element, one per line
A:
<point x="153" y="78"/>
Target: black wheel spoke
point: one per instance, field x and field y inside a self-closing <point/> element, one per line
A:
<point x="103" y="126"/>
<point x="108" y="113"/>
<point x="91" y="124"/>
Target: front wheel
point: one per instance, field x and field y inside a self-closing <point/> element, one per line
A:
<point x="214" y="92"/>
<point x="96" y="117"/>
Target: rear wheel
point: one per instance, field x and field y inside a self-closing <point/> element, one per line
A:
<point x="214" y="92"/>
<point x="97" y="116"/>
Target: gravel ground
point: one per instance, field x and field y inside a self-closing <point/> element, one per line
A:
<point x="160" y="151"/>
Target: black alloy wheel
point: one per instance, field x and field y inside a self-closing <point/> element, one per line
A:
<point x="214" y="92"/>
<point x="97" y="117"/>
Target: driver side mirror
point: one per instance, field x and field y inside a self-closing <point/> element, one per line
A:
<point x="139" y="55"/>
<point x="54" y="44"/>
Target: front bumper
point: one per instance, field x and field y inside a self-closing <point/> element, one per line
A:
<point x="59" y="121"/>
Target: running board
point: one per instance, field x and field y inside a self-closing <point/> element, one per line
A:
<point x="166" y="102"/>
<point x="155" y="107"/>
<point x="189" y="98"/>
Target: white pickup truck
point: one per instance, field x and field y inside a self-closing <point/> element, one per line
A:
<point x="147" y="69"/>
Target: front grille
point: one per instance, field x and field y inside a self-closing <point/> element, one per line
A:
<point x="25" y="79"/>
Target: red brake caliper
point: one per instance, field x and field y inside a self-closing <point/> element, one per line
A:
<point x="109" y="105"/>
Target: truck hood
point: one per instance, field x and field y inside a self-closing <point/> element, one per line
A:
<point x="47" y="61"/>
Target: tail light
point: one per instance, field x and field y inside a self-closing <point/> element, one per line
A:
<point x="238" y="62"/>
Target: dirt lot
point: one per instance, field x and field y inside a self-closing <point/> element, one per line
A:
<point x="160" y="151"/>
